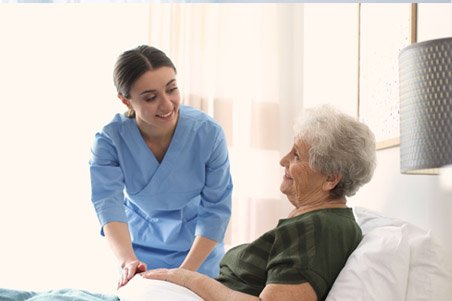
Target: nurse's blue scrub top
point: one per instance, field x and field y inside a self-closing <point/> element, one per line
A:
<point x="165" y="204"/>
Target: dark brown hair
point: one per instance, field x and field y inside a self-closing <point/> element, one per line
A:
<point x="135" y="62"/>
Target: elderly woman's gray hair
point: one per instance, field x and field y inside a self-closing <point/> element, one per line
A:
<point x="339" y="144"/>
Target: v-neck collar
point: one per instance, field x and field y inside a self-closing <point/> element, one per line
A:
<point x="178" y="141"/>
<point x="142" y="143"/>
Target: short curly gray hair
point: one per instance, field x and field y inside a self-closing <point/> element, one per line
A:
<point x="339" y="144"/>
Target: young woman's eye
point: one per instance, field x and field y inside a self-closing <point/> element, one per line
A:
<point x="149" y="99"/>
<point x="172" y="89"/>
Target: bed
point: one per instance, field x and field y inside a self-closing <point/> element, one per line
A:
<point x="395" y="261"/>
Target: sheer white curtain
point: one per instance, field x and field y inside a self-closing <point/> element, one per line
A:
<point x="239" y="62"/>
<point x="242" y="64"/>
<point x="56" y="65"/>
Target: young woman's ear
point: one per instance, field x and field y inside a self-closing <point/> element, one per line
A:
<point x="125" y="101"/>
<point x="331" y="181"/>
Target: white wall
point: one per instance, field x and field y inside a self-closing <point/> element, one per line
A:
<point x="414" y="198"/>
<point x="56" y="92"/>
<point x="330" y="56"/>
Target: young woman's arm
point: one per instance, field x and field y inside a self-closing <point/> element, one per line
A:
<point x="118" y="237"/>
<point x="215" y="207"/>
<point x="199" y="251"/>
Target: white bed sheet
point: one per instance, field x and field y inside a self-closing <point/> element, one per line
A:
<point x="142" y="289"/>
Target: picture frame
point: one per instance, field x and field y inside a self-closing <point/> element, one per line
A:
<point x="384" y="30"/>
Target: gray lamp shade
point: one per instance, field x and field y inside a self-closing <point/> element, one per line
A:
<point x="425" y="88"/>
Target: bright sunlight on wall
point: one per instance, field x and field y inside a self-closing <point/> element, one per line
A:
<point x="57" y="91"/>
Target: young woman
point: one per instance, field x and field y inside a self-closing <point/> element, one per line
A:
<point x="161" y="185"/>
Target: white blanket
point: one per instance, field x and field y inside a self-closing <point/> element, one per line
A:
<point x="142" y="289"/>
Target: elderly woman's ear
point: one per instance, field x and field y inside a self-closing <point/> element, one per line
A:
<point x="331" y="181"/>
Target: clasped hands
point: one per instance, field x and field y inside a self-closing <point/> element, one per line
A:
<point x="178" y="276"/>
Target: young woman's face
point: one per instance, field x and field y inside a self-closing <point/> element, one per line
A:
<point x="155" y="99"/>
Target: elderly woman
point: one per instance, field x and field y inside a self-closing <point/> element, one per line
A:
<point x="332" y="156"/>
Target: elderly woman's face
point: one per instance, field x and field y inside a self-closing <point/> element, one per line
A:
<point x="300" y="183"/>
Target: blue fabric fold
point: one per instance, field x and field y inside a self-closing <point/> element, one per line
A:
<point x="54" y="295"/>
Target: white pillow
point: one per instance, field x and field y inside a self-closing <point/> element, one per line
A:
<point x="430" y="276"/>
<point x="377" y="269"/>
<point x="368" y="219"/>
<point x="142" y="289"/>
<point x="430" y="268"/>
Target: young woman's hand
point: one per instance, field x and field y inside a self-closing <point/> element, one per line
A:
<point x="129" y="270"/>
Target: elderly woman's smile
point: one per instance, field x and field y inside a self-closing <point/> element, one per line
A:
<point x="301" y="184"/>
<point x="287" y="177"/>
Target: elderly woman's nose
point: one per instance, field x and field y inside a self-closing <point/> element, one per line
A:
<point x="283" y="161"/>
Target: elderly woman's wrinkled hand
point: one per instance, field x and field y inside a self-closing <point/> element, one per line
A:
<point x="178" y="276"/>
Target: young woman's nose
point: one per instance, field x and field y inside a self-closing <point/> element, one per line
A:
<point x="165" y="103"/>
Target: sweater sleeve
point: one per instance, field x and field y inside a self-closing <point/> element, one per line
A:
<point x="290" y="254"/>
<point x="314" y="249"/>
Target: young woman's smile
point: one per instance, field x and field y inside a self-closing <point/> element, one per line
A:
<point x="155" y="99"/>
